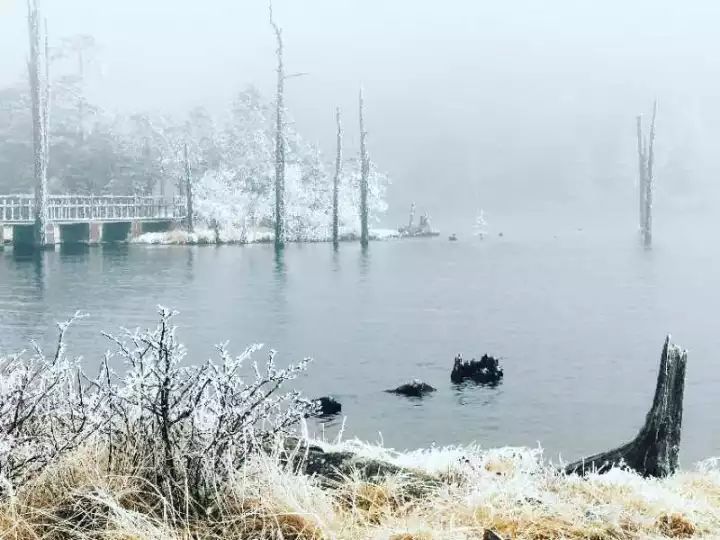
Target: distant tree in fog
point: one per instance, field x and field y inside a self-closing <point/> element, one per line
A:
<point x="646" y="162"/>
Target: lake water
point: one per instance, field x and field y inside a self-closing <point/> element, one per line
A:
<point x="577" y="316"/>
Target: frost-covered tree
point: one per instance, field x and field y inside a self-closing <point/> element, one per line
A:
<point x="364" y="174"/>
<point x="279" y="138"/>
<point x="336" y="180"/>
<point x="39" y="77"/>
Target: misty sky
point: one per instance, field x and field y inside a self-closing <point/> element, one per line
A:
<point x="470" y="103"/>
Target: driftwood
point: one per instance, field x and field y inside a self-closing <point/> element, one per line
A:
<point x="654" y="452"/>
<point x="333" y="468"/>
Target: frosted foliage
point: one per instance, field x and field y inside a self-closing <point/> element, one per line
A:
<point x="238" y="192"/>
<point x="44" y="411"/>
<point x="193" y="422"/>
<point x="190" y="423"/>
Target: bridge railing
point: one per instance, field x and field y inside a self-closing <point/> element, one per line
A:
<point x="71" y="208"/>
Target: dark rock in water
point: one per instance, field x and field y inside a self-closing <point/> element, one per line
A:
<point x="487" y="370"/>
<point x="327" y="406"/>
<point x="413" y="389"/>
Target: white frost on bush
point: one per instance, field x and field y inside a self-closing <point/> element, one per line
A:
<point x="189" y="423"/>
<point x="234" y="189"/>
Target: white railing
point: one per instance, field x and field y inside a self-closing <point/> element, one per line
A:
<point x="19" y="209"/>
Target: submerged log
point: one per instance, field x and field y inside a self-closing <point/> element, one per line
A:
<point x="333" y="468"/>
<point x="416" y="388"/>
<point x="327" y="406"/>
<point x="654" y="452"/>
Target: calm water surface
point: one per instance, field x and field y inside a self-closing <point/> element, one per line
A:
<point x="578" y="318"/>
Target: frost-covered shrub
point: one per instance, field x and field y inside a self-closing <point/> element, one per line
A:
<point x="190" y="424"/>
<point x="184" y="425"/>
<point x="45" y="411"/>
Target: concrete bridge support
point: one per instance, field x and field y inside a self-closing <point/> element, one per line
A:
<point x="114" y="232"/>
<point x="95" y="233"/>
<point x="90" y="233"/>
<point x="24" y="235"/>
<point x="75" y="233"/>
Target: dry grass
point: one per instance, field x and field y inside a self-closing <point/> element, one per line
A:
<point x="506" y="490"/>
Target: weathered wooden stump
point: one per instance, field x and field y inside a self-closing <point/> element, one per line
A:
<point x="487" y="370"/>
<point x="654" y="452"/>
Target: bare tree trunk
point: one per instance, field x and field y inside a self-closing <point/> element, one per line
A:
<point x="654" y="452"/>
<point x="188" y="191"/>
<point x="40" y="97"/>
<point x="649" y="180"/>
<point x="642" y="161"/>
<point x="279" y="140"/>
<point x="646" y="165"/>
<point x="364" y="173"/>
<point x="336" y="180"/>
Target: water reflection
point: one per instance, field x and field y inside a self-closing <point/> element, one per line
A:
<point x="472" y="393"/>
<point x="364" y="262"/>
<point x="336" y="260"/>
<point x="73" y="251"/>
<point x="279" y="263"/>
<point x="190" y="264"/>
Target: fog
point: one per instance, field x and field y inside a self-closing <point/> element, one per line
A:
<point x="515" y="107"/>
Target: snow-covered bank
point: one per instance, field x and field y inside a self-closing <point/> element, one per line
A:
<point x="258" y="236"/>
<point x="505" y="490"/>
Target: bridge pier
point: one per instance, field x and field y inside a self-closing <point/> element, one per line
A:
<point x="114" y="232"/>
<point x="24" y="235"/>
<point x="75" y="233"/>
<point x="2" y="236"/>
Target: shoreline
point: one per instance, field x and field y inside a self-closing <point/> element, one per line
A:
<point x="450" y="493"/>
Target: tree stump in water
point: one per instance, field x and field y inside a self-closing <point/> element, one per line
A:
<point x="654" y="452"/>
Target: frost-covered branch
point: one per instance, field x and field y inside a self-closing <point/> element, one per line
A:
<point x="45" y="411"/>
<point x="192" y="423"/>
